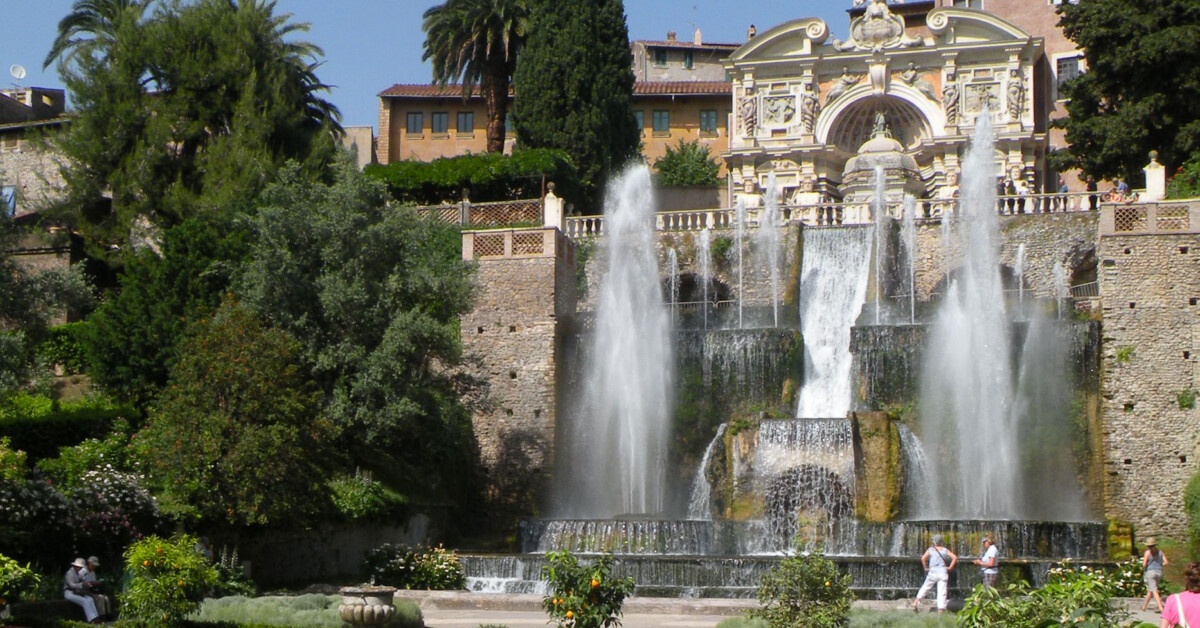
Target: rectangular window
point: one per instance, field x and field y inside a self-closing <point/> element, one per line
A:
<point x="466" y="123"/>
<point x="8" y="200"/>
<point x="662" y="121"/>
<point x="508" y="127"/>
<point x="415" y="123"/>
<point x="640" y="117"/>
<point x="968" y="4"/>
<point x="1066" y="68"/>
<point x="689" y="59"/>
<point x="440" y="122"/>
<point x="708" y="121"/>
<point x="660" y="58"/>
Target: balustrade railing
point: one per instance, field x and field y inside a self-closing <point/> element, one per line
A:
<point x="1163" y="217"/>
<point x="486" y="215"/>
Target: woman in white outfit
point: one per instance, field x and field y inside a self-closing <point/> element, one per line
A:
<point x="75" y="591"/>
<point x="938" y="561"/>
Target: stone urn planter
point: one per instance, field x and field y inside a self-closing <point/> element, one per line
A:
<point x="367" y="605"/>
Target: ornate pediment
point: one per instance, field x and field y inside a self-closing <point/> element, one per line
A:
<point x="877" y="29"/>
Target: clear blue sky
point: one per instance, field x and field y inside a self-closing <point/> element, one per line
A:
<point x="371" y="44"/>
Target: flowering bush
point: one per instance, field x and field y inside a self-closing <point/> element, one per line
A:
<point x="15" y="580"/>
<point x="168" y="580"/>
<point x="69" y="467"/>
<point x="435" y="569"/>
<point x="358" y="496"/>
<point x="231" y="578"/>
<point x="807" y="591"/>
<point x="1125" y="579"/>
<point x="38" y="520"/>
<point x="1072" y="596"/>
<point x="13" y="466"/>
<point x="584" y="595"/>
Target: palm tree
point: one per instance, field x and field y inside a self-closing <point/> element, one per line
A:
<point x="101" y="19"/>
<point x="477" y="41"/>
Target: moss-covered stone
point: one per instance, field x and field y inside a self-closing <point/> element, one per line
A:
<point x="878" y="466"/>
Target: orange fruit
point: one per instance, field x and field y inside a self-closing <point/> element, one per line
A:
<point x="570" y="614"/>
<point x="595" y="583"/>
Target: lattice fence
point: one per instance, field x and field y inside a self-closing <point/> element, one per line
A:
<point x="1172" y="218"/>
<point x="506" y="213"/>
<point x="1129" y="218"/>
<point x="528" y="243"/>
<point x="489" y="245"/>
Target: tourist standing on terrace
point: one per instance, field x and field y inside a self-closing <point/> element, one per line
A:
<point x="1183" y="609"/>
<point x="1153" y="562"/>
<point x="938" y="562"/>
<point x="989" y="563"/>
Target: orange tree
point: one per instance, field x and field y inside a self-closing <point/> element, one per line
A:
<point x="584" y="595"/>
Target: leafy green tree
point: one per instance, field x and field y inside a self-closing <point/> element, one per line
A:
<point x="191" y="110"/>
<point x="131" y="338"/>
<point x="1125" y="104"/>
<point x="92" y="27"/>
<point x="374" y="295"/>
<point x="805" y="591"/>
<point x="237" y="437"/>
<point x="689" y="163"/>
<point x="574" y="85"/>
<point x="477" y="41"/>
<point x="584" y="595"/>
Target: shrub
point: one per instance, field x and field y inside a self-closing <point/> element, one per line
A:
<point x="1191" y="506"/>
<point x="231" y="577"/>
<point x="1186" y="399"/>
<point x="358" y="496"/>
<point x="804" y="591"/>
<point x="433" y="569"/>
<point x="72" y="463"/>
<point x="167" y="580"/>
<point x="13" y="464"/>
<point x="488" y="177"/>
<point x="41" y="427"/>
<point x="15" y="580"/>
<point x="584" y="595"/>
<point x="63" y="347"/>
<point x="1071" y="596"/>
<point x="38" y="521"/>
<point x="689" y="163"/>
<point x="311" y="610"/>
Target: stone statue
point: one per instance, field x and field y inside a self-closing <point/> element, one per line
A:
<point x="847" y="81"/>
<point x="880" y="124"/>
<point x="1016" y="95"/>
<point x="950" y="99"/>
<point x="810" y="108"/>
<point x="910" y="76"/>
<point x="749" y="114"/>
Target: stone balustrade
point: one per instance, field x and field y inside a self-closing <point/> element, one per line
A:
<point x="497" y="244"/>
<point x="1159" y="218"/>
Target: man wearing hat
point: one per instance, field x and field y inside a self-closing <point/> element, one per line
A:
<point x="93" y="584"/>
<point x="76" y="591"/>
<point x="989" y="563"/>
<point x="1153" y="562"/>
<point x="938" y="562"/>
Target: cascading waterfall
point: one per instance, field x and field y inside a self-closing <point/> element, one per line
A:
<point x="614" y="454"/>
<point x="879" y="205"/>
<point x="833" y="287"/>
<point x="767" y="239"/>
<point x="1060" y="288"/>
<point x="910" y="253"/>
<point x="704" y="263"/>
<point x="739" y="244"/>
<point x="700" y="504"/>
<point x="967" y="383"/>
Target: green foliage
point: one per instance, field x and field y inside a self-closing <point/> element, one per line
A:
<point x="311" y="610"/>
<point x="132" y="338"/>
<point x="40" y="426"/>
<point x="63" y="346"/>
<point x="488" y="177"/>
<point x="1124" y="354"/>
<point x="689" y="163"/>
<point x="804" y="591"/>
<point x="1191" y="506"/>
<point x="1079" y="597"/>
<point x="237" y="436"/>
<point x="167" y="580"/>
<point x="374" y="294"/>
<point x="188" y="110"/>
<point x="476" y="42"/>
<point x="73" y="463"/>
<point x="16" y="581"/>
<point x="743" y="622"/>
<point x="1125" y="579"/>
<point x="358" y="496"/>
<point x="722" y="248"/>
<point x="432" y="569"/>
<point x="899" y="619"/>
<point x="575" y="78"/>
<point x="1186" y="399"/>
<point x="231" y="577"/>
<point x="584" y="251"/>
<point x="1124" y="105"/>
<point x="583" y="595"/>
<point x="13" y="462"/>
<point x="1186" y="182"/>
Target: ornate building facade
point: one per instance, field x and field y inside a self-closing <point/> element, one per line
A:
<point x="911" y="80"/>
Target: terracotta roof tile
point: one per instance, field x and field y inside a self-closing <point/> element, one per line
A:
<point x="668" y="88"/>
<point x="428" y="90"/>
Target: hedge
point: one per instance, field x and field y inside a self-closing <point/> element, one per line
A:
<point x="39" y="427"/>
<point x="487" y="177"/>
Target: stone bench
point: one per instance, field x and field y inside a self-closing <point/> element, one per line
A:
<point x="46" y="609"/>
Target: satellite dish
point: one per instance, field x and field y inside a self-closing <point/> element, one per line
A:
<point x="17" y="71"/>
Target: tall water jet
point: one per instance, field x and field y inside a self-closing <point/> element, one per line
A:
<point x="833" y="286"/>
<point x="704" y="266"/>
<point x="1019" y="271"/>
<point x="613" y="454"/>
<point x="910" y="253"/>
<point x="1060" y="288"/>
<point x="880" y="210"/>
<point x="967" y="383"/>
<point x="739" y="215"/>
<point x="768" y="240"/>
<point x="673" y="282"/>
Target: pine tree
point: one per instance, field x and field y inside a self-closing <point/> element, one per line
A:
<point x="574" y="87"/>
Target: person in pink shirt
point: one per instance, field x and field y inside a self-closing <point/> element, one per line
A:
<point x="1183" y="609"/>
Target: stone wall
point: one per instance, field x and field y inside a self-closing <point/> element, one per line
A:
<point x="1150" y="287"/>
<point x="34" y="172"/>
<point x="511" y="344"/>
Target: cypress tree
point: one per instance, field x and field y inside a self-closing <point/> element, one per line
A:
<point x="574" y="87"/>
